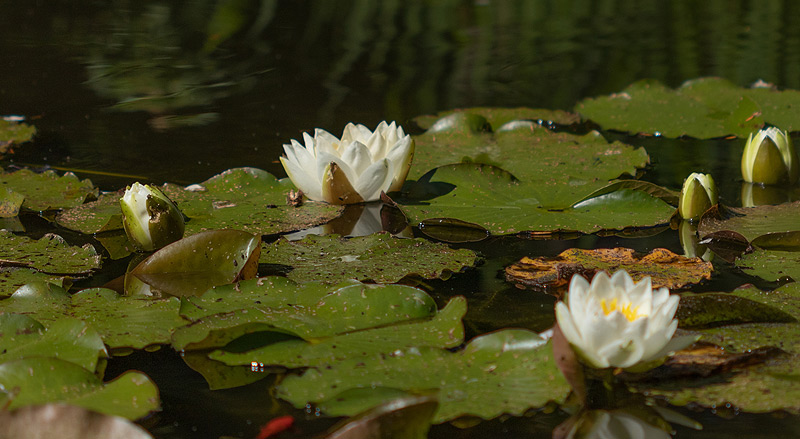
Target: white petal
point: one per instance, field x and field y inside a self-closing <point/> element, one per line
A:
<point x="567" y="325"/>
<point x="306" y="182"/>
<point x="373" y="180"/>
<point x="357" y="156"/>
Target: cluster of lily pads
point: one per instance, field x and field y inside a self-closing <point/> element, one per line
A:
<point x="348" y="324"/>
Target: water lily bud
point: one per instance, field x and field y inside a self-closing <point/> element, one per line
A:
<point x="353" y="169"/>
<point x="770" y="158"/>
<point x="699" y="192"/>
<point x="151" y="220"/>
<point x="615" y="322"/>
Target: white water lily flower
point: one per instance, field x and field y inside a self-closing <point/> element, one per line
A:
<point x="353" y="169"/>
<point x="150" y="218"/>
<point x="769" y="158"/>
<point x="699" y="192"/>
<point x="615" y="322"/>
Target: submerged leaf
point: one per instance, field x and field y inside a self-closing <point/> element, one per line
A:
<point x="379" y="258"/>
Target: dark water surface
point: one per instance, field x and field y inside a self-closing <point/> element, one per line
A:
<point x="181" y="90"/>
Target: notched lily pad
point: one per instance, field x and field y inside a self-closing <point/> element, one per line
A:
<point x="50" y="255"/>
<point x="121" y="321"/>
<point x="753" y="222"/>
<point x="492" y="198"/>
<point x="378" y="258"/>
<point x="34" y="381"/>
<point x="508" y="371"/>
<point x="47" y="190"/>
<point x="666" y="269"/>
<point x="701" y="108"/>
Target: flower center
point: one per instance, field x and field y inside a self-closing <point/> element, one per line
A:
<point x="627" y="309"/>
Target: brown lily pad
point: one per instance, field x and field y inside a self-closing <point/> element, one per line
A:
<point x="552" y="275"/>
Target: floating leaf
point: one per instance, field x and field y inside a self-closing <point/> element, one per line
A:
<point x="121" y="321"/>
<point x="752" y="222"/>
<point x="763" y="388"/>
<point x="67" y="339"/>
<point x="573" y="161"/>
<point x="508" y="371"/>
<point x="50" y="254"/>
<point x="246" y="199"/>
<point x="66" y="422"/>
<point x="666" y="269"/>
<point x="402" y="418"/>
<point x="352" y="308"/>
<point x="720" y="309"/>
<point x="47" y="190"/>
<point x="15" y="132"/>
<point x="701" y="108"/>
<point x="781" y="333"/>
<point x="497" y="117"/>
<point x="219" y="375"/>
<point x="10" y="202"/>
<point x="378" y="258"/>
<point x="44" y="380"/>
<point x="192" y="265"/>
<point x="13" y="278"/>
<point x="444" y="330"/>
<point x="771" y="265"/>
<point x="101" y="215"/>
<point x="491" y="198"/>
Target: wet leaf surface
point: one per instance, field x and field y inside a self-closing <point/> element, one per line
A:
<point x="192" y="265"/>
<point x="491" y="198"/>
<point x="771" y="265"/>
<point x="752" y="222"/>
<point x="701" y="108"/>
<point x="50" y="254"/>
<point x="44" y="380"/>
<point x="121" y="321"/>
<point x="47" y="190"/>
<point x="508" y="371"/>
<point x="563" y="160"/>
<point x="13" y="278"/>
<point x="103" y="214"/>
<point x="67" y="339"/>
<point x="378" y="258"/>
<point x="666" y="269"/>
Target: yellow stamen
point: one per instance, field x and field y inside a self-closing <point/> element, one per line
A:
<point x="631" y="313"/>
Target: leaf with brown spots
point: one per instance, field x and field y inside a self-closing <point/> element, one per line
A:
<point x="552" y="275"/>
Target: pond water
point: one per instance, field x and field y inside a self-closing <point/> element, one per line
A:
<point x="178" y="91"/>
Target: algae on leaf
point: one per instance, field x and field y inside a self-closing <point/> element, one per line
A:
<point x="378" y="258"/>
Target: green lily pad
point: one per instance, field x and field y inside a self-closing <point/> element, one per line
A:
<point x="121" y="321"/>
<point x="219" y="375"/>
<point x="758" y="389"/>
<point x="50" y="254"/>
<point x="13" y="278"/>
<point x="192" y="265"/>
<point x="752" y="222"/>
<point x="582" y="163"/>
<point x="10" y="202"/>
<point x="508" y="371"/>
<point x="352" y="308"/>
<point x="15" y="132"/>
<point x="701" y="108"/>
<point x="246" y="199"/>
<point x="444" y="330"/>
<point x="103" y="214"/>
<point x="780" y="333"/>
<point x="379" y="258"/>
<point x="44" y="380"/>
<point x="771" y="265"/>
<point x="497" y="117"/>
<point x="697" y="311"/>
<point x="491" y="198"/>
<point x="47" y="190"/>
<point x="67" y="339"/>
